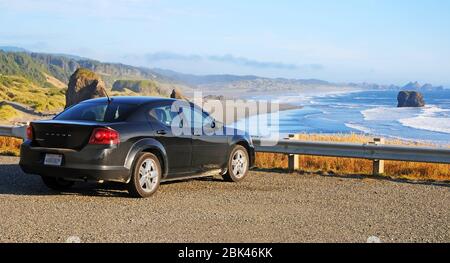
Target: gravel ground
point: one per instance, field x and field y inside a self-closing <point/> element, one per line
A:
<point x="266" y="207"/>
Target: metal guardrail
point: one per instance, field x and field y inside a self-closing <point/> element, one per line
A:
<point x="363" y="151"/>
<point x="376" y="151"/>
<point x="14" y="131"/>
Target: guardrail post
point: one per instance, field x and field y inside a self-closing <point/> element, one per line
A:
<point x="297" y="157"/>
<point x="293" y="159"/>
<point x="378" y="165"/>
<point x="291" y="166"/>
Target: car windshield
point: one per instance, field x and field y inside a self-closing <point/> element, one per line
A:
<point x="103" y="112"/>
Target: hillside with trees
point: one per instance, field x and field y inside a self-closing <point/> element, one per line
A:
<point x="39" y="81"/>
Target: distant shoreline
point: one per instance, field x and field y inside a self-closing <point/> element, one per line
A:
<point x="239" y="114"/>
<point x="282" y="106"/>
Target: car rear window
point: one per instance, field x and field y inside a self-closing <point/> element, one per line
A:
<point x="99" y="112"/>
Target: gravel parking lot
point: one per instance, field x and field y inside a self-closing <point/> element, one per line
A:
<point x="266" y="207"/>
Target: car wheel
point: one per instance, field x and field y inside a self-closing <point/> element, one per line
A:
<point x="57" y="184"/>
<point x="146" y="176"/>
<point x="238" y="164"/>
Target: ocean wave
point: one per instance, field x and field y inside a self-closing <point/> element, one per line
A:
<point x="434" y="111"/>
<point x="389" y="113"/>
<point x="344" y="105"/>
<point x="432" y="119"/>
<point x="309" y="98"/>
<point x="428" y="123"/>
<point x="358" y="127"/>
<point x="370" y="98"/>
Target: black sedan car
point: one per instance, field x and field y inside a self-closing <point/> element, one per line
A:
<point x="136" y="141"/>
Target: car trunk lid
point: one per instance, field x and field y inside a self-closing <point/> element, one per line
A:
<point x="62" y="134"/>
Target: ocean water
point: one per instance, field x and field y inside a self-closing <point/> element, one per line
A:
<point x="367" y="112"/>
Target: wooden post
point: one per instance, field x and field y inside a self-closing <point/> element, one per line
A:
<point x="291" y="166"/>
<point x="378" y="165"/>
<point x="297" y="157"/>
<point x="293" y="159"/>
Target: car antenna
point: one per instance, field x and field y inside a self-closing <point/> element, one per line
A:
<point x="106" y="93"/>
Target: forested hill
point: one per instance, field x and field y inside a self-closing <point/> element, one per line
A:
<point x="39" y="81"/>
<point x="37" y="67"/>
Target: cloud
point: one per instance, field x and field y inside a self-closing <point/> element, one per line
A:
<point x="252" y="63"/>
<point x="229" y="59"/>
<point x="161" y="56"/>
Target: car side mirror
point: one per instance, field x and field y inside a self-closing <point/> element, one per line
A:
<point x="212" y="122"/>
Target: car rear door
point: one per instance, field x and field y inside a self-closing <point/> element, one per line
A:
<point x="178" y="147"/>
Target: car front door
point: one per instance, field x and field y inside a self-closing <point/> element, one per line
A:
<point x="209" y="144"/>
<point x="178" y="147"/>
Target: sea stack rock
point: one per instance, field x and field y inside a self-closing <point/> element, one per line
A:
<point x="83" y="85"/>
<point x="410" y="99"/>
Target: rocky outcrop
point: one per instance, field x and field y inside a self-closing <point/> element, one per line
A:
<point x="410" y="99"/>
<point x="83" y="85"/>
<point x="139" y="86"/>
<point x="176" y="94"/>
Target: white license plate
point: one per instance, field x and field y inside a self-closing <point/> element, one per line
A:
<point x="53" y="159"/>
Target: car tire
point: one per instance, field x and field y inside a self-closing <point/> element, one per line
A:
<point x="146" y="176"/>
<point x="57" y="184"/>
<point x="238" y="164"/>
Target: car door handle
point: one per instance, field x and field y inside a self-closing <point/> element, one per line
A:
<point x="161" y="132"/>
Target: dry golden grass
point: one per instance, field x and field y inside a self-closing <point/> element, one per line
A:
<point x="9" y="146"/>
<point x="21" y="90"/>
<point x="8" y="113"/>
<point x="346" y="166"/>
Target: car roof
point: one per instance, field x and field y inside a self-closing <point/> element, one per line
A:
<point x="137" y="100"/>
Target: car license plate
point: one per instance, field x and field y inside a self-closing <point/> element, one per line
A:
<point x="53" y="159"/>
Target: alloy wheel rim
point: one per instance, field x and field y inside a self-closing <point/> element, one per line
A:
<point x="239" y="164"/>
<point x="148" y="175"/>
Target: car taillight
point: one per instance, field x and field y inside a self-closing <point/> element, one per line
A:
<point x="29" y="132"/>
<point x="104" y="136"/>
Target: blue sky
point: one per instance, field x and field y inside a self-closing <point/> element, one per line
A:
<point x="383" y="41"/>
